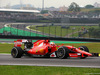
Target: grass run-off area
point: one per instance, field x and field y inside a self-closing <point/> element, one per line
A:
<point x="37" y="70"/>
<point x="72" y="31"/>
<point x="93" y="47"/>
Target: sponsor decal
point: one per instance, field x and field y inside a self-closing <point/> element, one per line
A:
<point x="38" y="43"/>
<point x="37" y="55"/>
<point x="57" y="47"/>
<point x="53" y="54"/>
<point x="41" y="50"/>
<point x="17" y="43"/>
<point x="78" y="53"/>
<point x="99" y="54"/>
<point x="73" y="55"/>
<point x="36" y="50"/>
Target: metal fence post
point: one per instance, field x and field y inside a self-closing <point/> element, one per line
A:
<point x="55" y="31"/>
<point x="61" y="32"/>
<point x="10" y="29"/>
<point x="66" y="31"/>
<point x="78" y="32"/>
<point x="49" y="31"/>
<point x="89" y="34"/>
<point x="24" y="30"/>
<point x="4" y="29"/>
<point x="17" y="29"/>
<point x="36" y="30"/>
<point x="72" y="32"/>
<point x="30" y="31"/>
<point x="43" y="30"/>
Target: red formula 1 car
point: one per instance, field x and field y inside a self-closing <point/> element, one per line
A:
<point x="45" y="48"/>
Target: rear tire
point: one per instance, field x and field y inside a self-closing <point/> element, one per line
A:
<point x="63" y="52"/>
<point x="17" y="52"/>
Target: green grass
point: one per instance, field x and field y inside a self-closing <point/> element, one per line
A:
<point x="93" y="47"/>
<point x="54" y="30"/>
<point x="6" y="48"/>
<point x="36" y="70"/>
<point x="58" y="31"/>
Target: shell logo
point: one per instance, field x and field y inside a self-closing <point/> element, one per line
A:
<point x="37" y="43"/>
<point x="41" y="50"/>
<point x="56" y="47"/>
<point x="36" y="50"/>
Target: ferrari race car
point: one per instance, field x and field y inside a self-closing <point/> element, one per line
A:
<point x="45" y="48"/>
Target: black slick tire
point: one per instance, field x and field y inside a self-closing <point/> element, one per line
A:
<point x="17" y="52"/>
<point x="83" y="48"/>
<point x="63" y="52"/>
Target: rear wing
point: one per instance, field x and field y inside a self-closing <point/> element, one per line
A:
<point x="18" y="43"/>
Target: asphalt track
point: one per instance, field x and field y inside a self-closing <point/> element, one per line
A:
<point x="92" y="62"/>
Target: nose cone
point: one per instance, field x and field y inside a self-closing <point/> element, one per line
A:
<point x="89" y="54"/>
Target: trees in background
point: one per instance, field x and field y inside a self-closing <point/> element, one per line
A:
<point x="44" y="11"/>
<point x="89" y="6"/>
<point x="74" y="7"/>
<point x="94" y="32"/>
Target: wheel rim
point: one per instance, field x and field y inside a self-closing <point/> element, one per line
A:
<point x="81" y="48"/>
<point x="60" y="52"/>
<point x="14" y="52"/>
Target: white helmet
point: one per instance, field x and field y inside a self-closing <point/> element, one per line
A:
<point x="52" y="43"/>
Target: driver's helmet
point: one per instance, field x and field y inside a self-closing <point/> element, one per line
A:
<point x="29" y="40"/>
<point x="52" y="43"/>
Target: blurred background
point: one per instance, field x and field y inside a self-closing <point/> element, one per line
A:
<point x="50" y="18"/>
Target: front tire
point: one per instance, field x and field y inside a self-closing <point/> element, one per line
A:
<point x="17" y="52"/>
<point x="83" y="48"/>
<point x="63" y="52"/>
